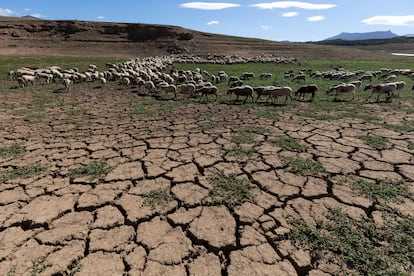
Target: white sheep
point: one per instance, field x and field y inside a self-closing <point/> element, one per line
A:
<point x="67" y="83"/>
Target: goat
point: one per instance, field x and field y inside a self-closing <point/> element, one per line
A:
<point x="242" y="91"/>
<point x="387" y="89"/>
<point x="307" y="89"/>
<point x="342" y="88"/>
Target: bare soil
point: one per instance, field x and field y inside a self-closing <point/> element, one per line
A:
<point x="54" y="224"/>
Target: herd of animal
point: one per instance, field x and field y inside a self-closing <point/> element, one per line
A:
<point x="151" y="77"/>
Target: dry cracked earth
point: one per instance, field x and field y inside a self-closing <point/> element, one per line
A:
<point x="54" y="222"/>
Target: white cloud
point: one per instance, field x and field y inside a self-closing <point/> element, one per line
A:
<point x="208" y="6"/>
<point x="390" y="20"/>
<point x="293" y="4"/>
<point x="100" y="17"/>
<point x="265" y="27"/>
<point x="213" y="22"/>
<point x="27" y="9"/>
<point x="37" y="15"/>
<point x="7" y="12"/>
<point x="290" y="14"/>
<point x="316" y="18"/>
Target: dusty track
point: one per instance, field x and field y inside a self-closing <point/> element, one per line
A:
<point x="51" y="223"/>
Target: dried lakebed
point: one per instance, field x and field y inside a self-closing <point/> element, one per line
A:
<point x="95" y="185"/>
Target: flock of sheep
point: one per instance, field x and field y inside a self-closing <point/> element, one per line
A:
<point x="149" y="75"/>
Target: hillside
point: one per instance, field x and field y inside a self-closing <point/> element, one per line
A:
<point x="30" y="36"/>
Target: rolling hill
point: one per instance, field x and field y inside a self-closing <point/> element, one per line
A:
<point x="31" y="36"/>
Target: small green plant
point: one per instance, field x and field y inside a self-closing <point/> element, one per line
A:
<point x="410" y="145"/>
<point x="289" y="143"/>
<point x="11" y="151"/>
<point x="387" y="190"/>
<point x="361" y="245"/>
<point x="95" y="169"/>
<point x="22" y="172"/>
<point x="157" y="197"/>
<point x="304" y="167"/>
<point x="240" y="152"/>
<point x="230" y="190"/>
<point x="253" y="129"/>
<point x="375" y="141"/>
<point x="39" y="266"/>
<point x="208" y="125"/>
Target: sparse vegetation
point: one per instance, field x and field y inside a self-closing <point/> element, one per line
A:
<point x="289" y="143"/>
<point x="22" y="172"/>
<point x="304" y="167"/>
<point x="158" y="197"/>
<point x="375" y="141"/>
<point x="360" y="247"/>
<point x="387" y="190"/>
<point x="39" y="266"/>
<point x="11" y="151"/>
<point x="410" y="145"/>
<point x="95" y="169"/>
<point x="230" y="190"/>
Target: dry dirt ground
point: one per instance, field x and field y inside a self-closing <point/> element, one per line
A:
<point x="57" y="223"/>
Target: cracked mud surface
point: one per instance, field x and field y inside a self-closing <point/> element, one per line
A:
<point x="52" y="223"/>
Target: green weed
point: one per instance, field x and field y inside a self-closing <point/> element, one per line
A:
<point x="387" y="190"/>
<point x="158" y="197"/>
<point x="304" y="167"/>
<point x="11" y="151"/>
<point x="362" y="246"/>
<point x="95" y="169"/>
<point x="375" y="141"/>
<point x="22" y="172"/>
<point x="230" y="190"/>
<point x="289" y="143"/>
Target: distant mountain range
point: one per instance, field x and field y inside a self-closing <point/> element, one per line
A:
<point x="364" y="36"/>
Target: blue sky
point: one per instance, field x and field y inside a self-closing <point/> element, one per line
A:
<point x="311" y="20"/>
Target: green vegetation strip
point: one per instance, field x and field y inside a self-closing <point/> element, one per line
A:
<point x="304" y="167"/>
<point x="22" y="172"/>
<point x="157" y="197"/>
<point x="387" y="190"/>
<point x="375" y="141"/>
<point x="11" y="151"/>
<point x="230" y="190"/>
<point x="289" y="143"/>
<point x="95" y="169"/>
<point x="361" y="246"/>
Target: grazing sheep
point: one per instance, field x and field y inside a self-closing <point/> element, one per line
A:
<point x="279" y="92"/>
<point x="265" y="76"/>
<point x="23" y="80"/>
<point x="169" y="88"/>
<point x="299" y="77"/>
<point x="400" y="87"/>
<point x="262" y="91"/>
<point x="67" y="83"/>
<point x="368" y="77"/>
<point x="390" y="78"/>
<point x="247" y="76"/>
<point x="187" y="89"/>
<point x="386" y="89"/>
<point x="357" y="84"/>
<point x="242" y="91"/>
<point x="307" y="89"/>
<point x="208" y="90"/>
<point x="341" y="89"/>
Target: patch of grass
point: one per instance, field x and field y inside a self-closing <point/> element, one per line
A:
<point x="375" y="141"/>
<point x="95" y="169"/>
<point x="387" y="190"/>
<point x="289" y="143"/>
<point x="22" y="172"/>
<point x="75" y="112"/>
<point x="34" y="117"/>
<point x="240" y="152"/>
<point x="271" y="115"/>
<point x="39" y="266"/>
<point x="230" y="190"/>
<point x="304" y="167"/>
<point x="400" y="128"/>
<point x="11" y="151"/>
<point x="253" y="129"/>
<point x="242" y="138"/>
<point x="208" y="125"/>
<point x="361" y="246"/>
<point x="158" y="197"/>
